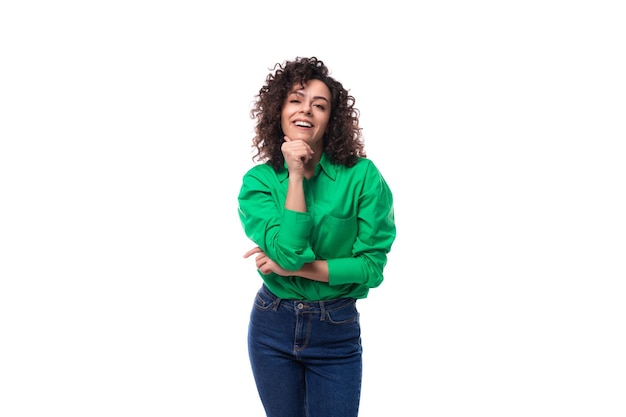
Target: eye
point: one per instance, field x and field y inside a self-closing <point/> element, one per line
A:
<point x="320" y="106"/>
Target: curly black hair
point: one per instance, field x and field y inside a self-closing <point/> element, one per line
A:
<point x="343" y="142"/>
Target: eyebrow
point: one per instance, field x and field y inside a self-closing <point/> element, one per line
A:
<point x="300" y="93"/>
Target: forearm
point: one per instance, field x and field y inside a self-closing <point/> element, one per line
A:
<point x="295" y="195"/>
<point x="315" y="271"/>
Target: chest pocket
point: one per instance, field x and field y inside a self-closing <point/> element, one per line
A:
<point x="336" y="237"/>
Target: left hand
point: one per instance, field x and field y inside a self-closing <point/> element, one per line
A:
<point x="265" y="264"/>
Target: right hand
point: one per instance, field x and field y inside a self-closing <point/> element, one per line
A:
<point x="296" y="153"/>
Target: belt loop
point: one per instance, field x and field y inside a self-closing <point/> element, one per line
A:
<point x="322" y="311"/>
<point x="277" y="302"/>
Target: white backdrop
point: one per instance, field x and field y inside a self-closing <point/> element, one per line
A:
<point x="125" y="132"/>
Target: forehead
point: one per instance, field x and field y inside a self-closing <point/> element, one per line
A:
<point x="312" y="87"/>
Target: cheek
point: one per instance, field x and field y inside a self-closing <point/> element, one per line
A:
<point x="284" y="116"/>
<point x="284" y="123"/>
<point x="325" y="124"/>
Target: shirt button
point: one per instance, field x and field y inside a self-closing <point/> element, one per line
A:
<point x="300" y="306"/>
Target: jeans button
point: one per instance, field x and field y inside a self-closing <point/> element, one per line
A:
<point x="300" y="306"/>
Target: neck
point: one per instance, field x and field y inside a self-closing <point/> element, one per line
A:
<point x="309" y="167"/>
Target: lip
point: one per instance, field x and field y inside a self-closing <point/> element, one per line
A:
<point x="302" y="120"/>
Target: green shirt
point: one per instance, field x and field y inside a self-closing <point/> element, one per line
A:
<point x="349" y="222"/>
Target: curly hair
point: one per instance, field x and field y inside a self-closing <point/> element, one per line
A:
<point x="343" y="142"/>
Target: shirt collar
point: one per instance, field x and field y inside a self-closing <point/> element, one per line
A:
<point x="328" y="167"/>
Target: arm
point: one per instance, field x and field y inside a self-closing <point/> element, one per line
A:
<point x="262" y="200"/>
<point x="316" y="270"/>
<point x="297" y="154"/>
<point x="376" y="234"/>
<point x="281" y="233"/>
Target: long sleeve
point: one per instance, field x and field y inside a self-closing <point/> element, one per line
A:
<point x="282" y="234"/>
<point x="375" y="236"/>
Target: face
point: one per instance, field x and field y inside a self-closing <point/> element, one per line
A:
<point x="306" y="112"/>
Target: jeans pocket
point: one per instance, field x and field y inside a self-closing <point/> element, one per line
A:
<point x="343" y="315"/>
<point x="263" y="301"/>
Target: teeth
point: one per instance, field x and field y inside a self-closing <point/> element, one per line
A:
<point x="303" y="124"/>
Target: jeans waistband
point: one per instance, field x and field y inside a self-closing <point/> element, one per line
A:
<point x="322" y="305"/>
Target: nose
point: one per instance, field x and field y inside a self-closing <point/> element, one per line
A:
<point x="306" y="108"/>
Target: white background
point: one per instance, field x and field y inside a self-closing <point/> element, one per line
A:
<point x="125" y="132"/>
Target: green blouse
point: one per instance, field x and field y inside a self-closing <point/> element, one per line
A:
<point x="349" y="222"/>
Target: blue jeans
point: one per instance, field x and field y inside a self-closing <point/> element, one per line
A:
<point x="306" y="356"/>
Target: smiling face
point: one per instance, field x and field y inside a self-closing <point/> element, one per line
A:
<point x="306" y="112"/>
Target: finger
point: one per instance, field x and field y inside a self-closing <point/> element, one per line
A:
<point x="260" y="257"/>
<point x="287" y="138"/>
<point x="262" y="265"/>
<point x="252" y="252"/>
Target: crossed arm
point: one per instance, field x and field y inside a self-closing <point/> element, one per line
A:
<point x="316" y="270"/>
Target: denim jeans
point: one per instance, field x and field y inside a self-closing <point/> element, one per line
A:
<point x="306" y="356"/>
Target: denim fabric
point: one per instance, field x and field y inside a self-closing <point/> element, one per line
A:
<point x="306" y="356"/>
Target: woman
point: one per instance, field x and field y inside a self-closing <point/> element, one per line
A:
<point x="322" y="218"/>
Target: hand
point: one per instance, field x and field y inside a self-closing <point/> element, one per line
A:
<point x="265" y="264"/>
<point x="296" y="153"/>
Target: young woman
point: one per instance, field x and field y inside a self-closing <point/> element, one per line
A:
<point x="321" y="215"/>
